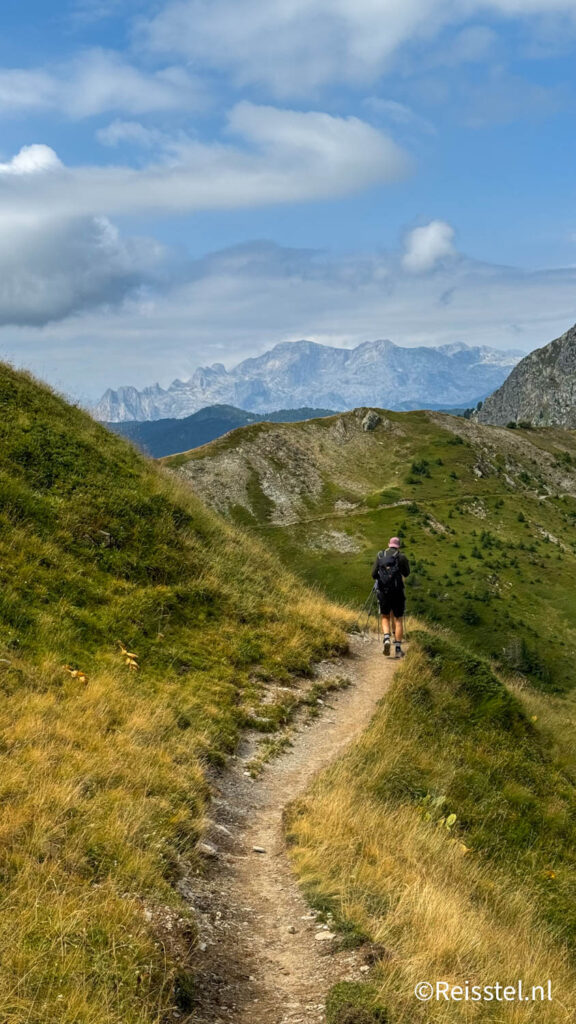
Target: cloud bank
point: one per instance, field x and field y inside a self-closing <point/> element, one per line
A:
<point x="53" y="266"/>
<point x="241" y="301"/>
<point x="294" y="46"/>
<point x="280" y="156"/>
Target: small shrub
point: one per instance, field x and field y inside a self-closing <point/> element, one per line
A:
<point x="470" y="616"/>
<point x="354" y="1002"/>
<point x="420" y="467"/>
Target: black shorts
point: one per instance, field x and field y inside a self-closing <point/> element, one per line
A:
<point x="394" y="602"/>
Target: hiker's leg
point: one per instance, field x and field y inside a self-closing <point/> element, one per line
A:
<point x="399" y="631"/>
<point x="386" y="631"/>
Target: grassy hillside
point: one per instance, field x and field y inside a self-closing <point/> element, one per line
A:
<point x="447" y="837"/>
<point x="487" y="515"/>
<point x="101" y="764"/>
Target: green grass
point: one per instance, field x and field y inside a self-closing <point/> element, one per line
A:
<point x="490" y="897"/>
<point x="102" y="783"/>
<point x="447" y="835"/>
<point x="483" y="560"/>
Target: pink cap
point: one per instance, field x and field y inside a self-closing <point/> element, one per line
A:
<point x="394" y="542"/>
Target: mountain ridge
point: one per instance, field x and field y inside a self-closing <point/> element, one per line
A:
<point x="307" y="374"/>
<point x="160" y="438"/>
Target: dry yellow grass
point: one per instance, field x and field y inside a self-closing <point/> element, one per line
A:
<point x="102" y="766"/>
<point x="438" y="912"/>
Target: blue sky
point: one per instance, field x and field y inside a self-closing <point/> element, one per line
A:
<point x="187" y="181"/>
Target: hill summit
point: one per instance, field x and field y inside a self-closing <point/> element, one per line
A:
<point x="540" y="390"/>
<point x="296" y="374"/>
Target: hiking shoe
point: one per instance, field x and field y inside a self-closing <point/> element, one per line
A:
<point x="386" y="650"/>
<point x="399" y="652"/>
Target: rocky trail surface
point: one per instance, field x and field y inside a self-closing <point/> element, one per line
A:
<point x="264" y="957"/>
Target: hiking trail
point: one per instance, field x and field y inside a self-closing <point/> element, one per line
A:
<point x="260" y="961"/>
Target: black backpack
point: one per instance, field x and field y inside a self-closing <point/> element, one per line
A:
<point x="389" y="575"/>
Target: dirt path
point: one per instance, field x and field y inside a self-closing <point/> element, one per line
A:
<point x="260" y="959"/>
<point x="416" y="500"/>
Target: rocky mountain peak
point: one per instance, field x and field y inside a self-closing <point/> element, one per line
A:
<point x="540" y="390"/>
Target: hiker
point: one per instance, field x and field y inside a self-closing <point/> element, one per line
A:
<point x="390" y="570"/>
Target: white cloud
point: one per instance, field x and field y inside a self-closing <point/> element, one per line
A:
<point x="427" y="246"/>
<point x="32" y="159"/>
<point x="282" y="156"/>
<point x="294" y="46"/>
<point x="97" y="81"/>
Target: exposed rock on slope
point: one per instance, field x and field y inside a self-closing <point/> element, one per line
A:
<point x="541" y="390"/>
<point x="281" y="472"/>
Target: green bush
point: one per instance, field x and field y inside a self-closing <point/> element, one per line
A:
<point x="421" y="467"/>
<point x="354" y="1002"/>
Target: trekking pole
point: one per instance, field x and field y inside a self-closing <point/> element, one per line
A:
<point x="368" y="607"/>
<point x="374" y="606"/>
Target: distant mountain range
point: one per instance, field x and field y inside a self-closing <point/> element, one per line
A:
<point x="169" y="436"/>
<point x="305" y="374"/>
<point x="541" y="390"/>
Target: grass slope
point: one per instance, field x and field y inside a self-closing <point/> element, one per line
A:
<point x="102" y="784"/>
<point x="488" y="519"/>
<point x="447" y="837"/>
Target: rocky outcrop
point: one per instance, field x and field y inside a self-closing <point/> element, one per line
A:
<point x="541" y="389"/>
<point x="370" y="421"/>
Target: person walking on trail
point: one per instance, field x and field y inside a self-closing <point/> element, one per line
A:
<point x="390" y="570"/>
